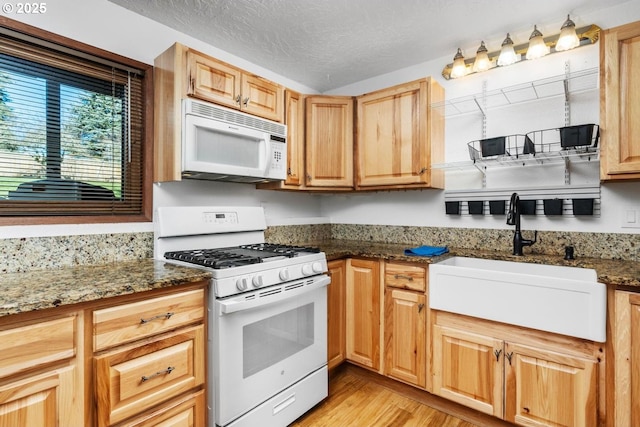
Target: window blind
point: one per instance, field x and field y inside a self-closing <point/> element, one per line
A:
<point x="71" y="133"/>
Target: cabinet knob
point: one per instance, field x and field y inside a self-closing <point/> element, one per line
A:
<point x="497" y="354"/>
<point x="238" y="98"/>
<point x="403" y="276"/>
<point x="420" y="307"/>
<point x="246" y="101"/>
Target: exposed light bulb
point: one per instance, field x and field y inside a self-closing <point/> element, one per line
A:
<point x="508" y="55"/>
<point x="537" y="46"/>
<point x="459" y="68"/>
<point x="482" y="62"/>
<point x="568" y="38"/>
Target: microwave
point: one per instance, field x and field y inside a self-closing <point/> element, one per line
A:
<point x="226" y="145"/>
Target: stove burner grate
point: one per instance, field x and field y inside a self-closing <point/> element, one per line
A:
<point x="238" y="256"/>
<point x="213" y="258"/>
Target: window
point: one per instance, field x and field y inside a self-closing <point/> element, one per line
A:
<point x="74" y="132"/>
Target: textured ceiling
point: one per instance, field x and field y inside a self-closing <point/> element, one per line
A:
<point x="327" y="44"/>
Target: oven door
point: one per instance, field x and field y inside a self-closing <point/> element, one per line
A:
<point x="266" y="341"/>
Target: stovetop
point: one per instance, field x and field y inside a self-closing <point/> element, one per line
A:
<point x="221" y="258"/>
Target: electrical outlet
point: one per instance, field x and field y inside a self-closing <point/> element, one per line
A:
<point x="630" y="217"/>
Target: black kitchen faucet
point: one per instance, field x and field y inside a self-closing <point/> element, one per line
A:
<point x="513" y="218"/>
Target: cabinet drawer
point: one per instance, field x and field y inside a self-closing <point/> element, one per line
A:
<point x="31" y="346"/>
<point x="187" y="412"/>
<point x="135" y="379"/>
<point x="129" y="322"/>
<point x="405" y="276"/>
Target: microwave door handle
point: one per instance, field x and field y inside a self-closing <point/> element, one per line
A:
<point x="229" y="307"/>
<point x="267" y="153"/>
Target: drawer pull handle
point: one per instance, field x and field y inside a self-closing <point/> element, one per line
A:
<point x="165" y="372"/>
<point x="402" y="276"/>
<point x="159" y="316"/>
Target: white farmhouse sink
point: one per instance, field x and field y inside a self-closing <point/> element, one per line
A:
<point x="563" y="300"/>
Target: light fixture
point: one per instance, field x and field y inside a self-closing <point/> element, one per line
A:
<point x="482" y="62"/>
<point x="459" y="68"/>
<point x="508" y="54"/>
<point x="537" y="47"/>
<point x="568" y="38"/>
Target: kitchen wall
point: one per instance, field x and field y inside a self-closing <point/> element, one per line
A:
<point x="91" y="21"/>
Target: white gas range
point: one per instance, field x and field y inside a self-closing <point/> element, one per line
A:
<point x="267" y="313"/>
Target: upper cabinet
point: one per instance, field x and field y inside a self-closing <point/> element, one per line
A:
<point x="620" y="102"/>
<point x="329" y="141"/>
<point x="400" y="136"/>
<point x="180" y="72"/>
<point x="216" y="81"/>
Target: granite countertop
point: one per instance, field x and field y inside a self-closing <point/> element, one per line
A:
<point x="41" y="289"/>
<point x="624" y="275"/>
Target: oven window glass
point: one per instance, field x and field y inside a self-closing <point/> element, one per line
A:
<point x="275" y="338"/>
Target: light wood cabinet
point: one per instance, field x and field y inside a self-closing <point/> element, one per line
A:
<point x="405" y="336"/>
<point x="468" y="369"/>
<point x="400" y="136"/>
<point x="526" y="377"/>
<point x="363" y="312"/>
<point x="620" y="102"/>
<point x="216" y="81"/>
<point x="625" y="343"/>
<point x="40" y="374"/>
<point x="336" y="313"/>
<point x="181" y="72"/>
<point x="547" y="388"/>
<point x="405" y="323"/>
<point x="150" y="358"/>
<point x="329" y="141"/>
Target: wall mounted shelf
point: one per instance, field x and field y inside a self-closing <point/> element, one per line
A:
<point x="557" y="86"/>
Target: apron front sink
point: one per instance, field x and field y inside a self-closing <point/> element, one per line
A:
<point x="558" y="299"/>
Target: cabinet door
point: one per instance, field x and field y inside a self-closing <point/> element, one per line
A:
<point x="396" y="142"/>
<point x="295" y="138"/>
<point x="468" y="369"/>
<point x="47" y="399"/>
<point x="336" y="314"/>
<point x="620" y="102"/>
<point x="329" y="141"/>
<point x="262" y="98"/>
<point x="336" y="299"/>
<point x="363" y="312"/>
<point x="626" y="352"/>
<point x="213" y="80"/>
<point x="545" y="388"/>
<point x="405" y="336"/>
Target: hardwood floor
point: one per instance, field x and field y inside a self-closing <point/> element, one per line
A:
<point x="359" y="398"/>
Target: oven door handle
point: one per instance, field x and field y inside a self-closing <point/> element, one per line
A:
<point x="231" y="306"/>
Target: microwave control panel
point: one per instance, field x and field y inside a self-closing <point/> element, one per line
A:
<point x="278" y="154"/>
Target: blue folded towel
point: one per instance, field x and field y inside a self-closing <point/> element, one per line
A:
<point x="427" y="251"/>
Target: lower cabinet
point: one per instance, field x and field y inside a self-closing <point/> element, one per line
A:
<point x="405" y="323"/>
<point x="154" y="357"/>
<point x="336" y="328"/>
<point x="363" y="312"/>
<point x="536" y="380"/>
<point x="626" y="351"/>
<point x="40" y="380"/>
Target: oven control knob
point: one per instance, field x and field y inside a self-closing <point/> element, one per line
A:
<point x="242" y="284"/>
<point x="307" y="270"/>
<point x="284" y="274"/>
<point x="257" y="281"/>
<point x="316" y="267"/>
